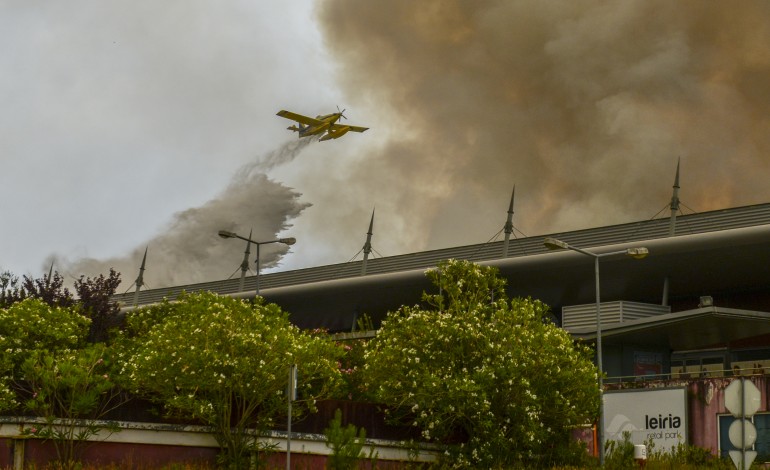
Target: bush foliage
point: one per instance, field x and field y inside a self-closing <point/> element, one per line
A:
<point x="488" y="379"/>
<point x="225" y="362"/>
<point x="491" y="375"/>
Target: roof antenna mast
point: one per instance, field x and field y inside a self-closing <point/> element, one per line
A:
<point x="50" y="275"/>
<point x="509" y="224"/>
<point x="140" y="279"/>
<point x="367" y="245"/>
<point x="674" y="203"/>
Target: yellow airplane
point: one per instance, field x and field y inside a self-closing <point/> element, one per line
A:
<point x="325" y="124"/>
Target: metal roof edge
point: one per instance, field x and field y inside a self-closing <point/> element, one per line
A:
<point x="710" y="228"/>
<point x="612" y="329"/>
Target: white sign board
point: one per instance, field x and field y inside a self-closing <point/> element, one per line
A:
<point x="742" y="398"/>
<point x="659" y="415"/>
<point x="740" y="430"/>
<point x="743" y="460"/>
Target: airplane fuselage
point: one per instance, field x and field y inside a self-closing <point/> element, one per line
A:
<point x="328" y="122"/>
<point x="326" y="125"/>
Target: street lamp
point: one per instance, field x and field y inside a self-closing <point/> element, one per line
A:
<point x="636" y="253"/>
<point x="285" y="241"/>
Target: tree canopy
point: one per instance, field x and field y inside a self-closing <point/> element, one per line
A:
<point x="490" y="377"/>
<point x="32" y="325"/>
<point x="226" y="362"/>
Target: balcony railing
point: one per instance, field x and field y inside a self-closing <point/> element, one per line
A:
<point x="691" y="373"/>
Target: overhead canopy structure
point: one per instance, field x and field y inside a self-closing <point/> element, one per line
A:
<point x="701" y="328"/>
<point x="715" y="264"/>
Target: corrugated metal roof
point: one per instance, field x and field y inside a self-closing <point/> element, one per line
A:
<point x="575" y="317"/>
<point x="738" y="217"/>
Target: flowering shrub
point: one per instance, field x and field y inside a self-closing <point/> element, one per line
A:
<point x="491" y="378"/>
<point x="225" y="362"/>
<point x="67" y="384"/>
<point x="351" y="367"/>
<point x="31" y="325"/>
<point x="7" y="396"/>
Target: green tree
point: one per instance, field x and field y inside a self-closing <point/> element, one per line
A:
<point x="10" y="290"/>
<point x="27" y="325"/>
<point x="491" y="378"/>
<point x="73" y="390"/>
<point x="32" y="324"/>
<point x="347" y="443"/>
<point x="48" y="369"/>
<point x="226" y="362"/>
<point x="94" y="296"/>
<point x="49" y="288"/>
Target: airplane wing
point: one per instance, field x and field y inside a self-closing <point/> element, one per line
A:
<point x="308" y="121"/>
<point x="350" y="128"/>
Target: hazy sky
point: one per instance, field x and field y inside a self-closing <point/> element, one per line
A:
<point x="133" y="124"/>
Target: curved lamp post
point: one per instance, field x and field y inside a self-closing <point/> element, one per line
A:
<point x="227" y="234"/>
<point x="636" y="253"/>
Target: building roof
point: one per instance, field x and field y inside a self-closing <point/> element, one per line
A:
<point x="712" y="252"/>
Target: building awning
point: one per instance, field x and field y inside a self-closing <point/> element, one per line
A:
<point x="696" y="265"/>
<point x="687" y="330"/>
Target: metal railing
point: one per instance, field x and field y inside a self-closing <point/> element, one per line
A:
<point x="679" y="376"/>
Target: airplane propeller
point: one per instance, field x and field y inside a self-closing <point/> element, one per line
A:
<point x="341" y="113"/>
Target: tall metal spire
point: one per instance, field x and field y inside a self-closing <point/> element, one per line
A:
<point x="367" y="245"/>
<point x="674" y="202"/>
<point x="140" y="279"/>
<point x="509" y="224"/>
<point x="50" y="275"/>
<point x="245" y="262"/>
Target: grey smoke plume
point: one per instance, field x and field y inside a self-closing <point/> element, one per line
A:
<point x="189" y="250"/>
<point x="584" y="105"/>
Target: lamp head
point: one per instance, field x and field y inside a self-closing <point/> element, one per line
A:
<point x="288" y="241"/>
<point x="226" y="234"/>
<point x="638" y="253"/>
<point x="554" y="244"/>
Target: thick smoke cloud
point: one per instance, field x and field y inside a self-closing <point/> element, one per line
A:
<point x="189" y="249"/>
<point x="585" y="106"/>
